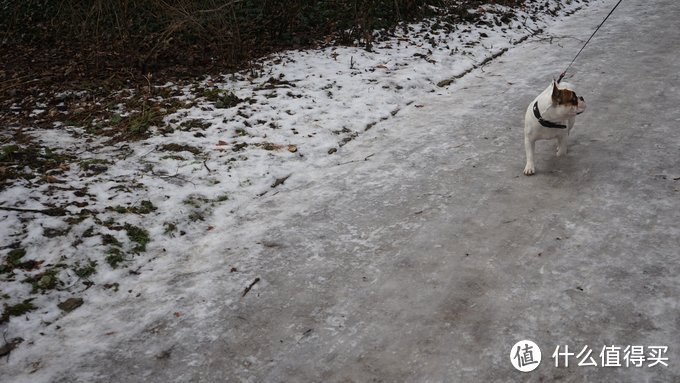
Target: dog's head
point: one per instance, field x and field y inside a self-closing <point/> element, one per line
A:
<point x="565" y="101"/>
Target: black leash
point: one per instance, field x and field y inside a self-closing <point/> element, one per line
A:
<point x="584" y="45"/>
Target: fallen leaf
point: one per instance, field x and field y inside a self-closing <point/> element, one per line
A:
<point x="9" y="346"/>
<point x="271" y="146"/>
<point x="221" y="143"/>
<point x="70" y="304"/>
<point x="280" y="181"/>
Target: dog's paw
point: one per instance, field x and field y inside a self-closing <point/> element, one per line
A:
<point x="529" y="170"/>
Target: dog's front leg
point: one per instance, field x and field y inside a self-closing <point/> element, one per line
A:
<point x="529" y="146"/>
<point x="561" y="145"/>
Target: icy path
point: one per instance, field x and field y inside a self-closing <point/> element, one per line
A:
<point x="420" y="259"/>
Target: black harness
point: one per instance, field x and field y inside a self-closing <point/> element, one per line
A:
<point x="546" y="123"/>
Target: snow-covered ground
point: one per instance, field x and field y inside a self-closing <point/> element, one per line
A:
<point x="136" y="228"/>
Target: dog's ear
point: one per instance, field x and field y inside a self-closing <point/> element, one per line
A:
<point x="556" y="95"/>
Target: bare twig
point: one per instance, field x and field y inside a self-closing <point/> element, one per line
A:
<point x="221" y="7"/>
<point x="149" y="152"/>
<point x="349" y="162"/>
<point x="21" y="83"/>
<point x="250" y="287"/>
<point x="176" y="176"/>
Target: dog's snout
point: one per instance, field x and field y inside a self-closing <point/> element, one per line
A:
<point x="580" y="98"/>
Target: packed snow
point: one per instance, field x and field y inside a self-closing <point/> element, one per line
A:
<point x="139" y="226"/>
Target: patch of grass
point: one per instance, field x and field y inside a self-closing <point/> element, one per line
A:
<point x="108" y="239"/>
<point x="46" y="280"/>
<point x="239" y="146"/>
<point x="194" y="201"/>
<point x="13" y="260"/>
<point x="221" y="98"/>
<point x="128" y="187"/>
<point x="270" y="146"/>
<point x="273" y="83"/>
<point x="94" y="166"/>
<point x="139" y="124"/>
<point x="16" y="310"/>
<point x="50" y="232"/>
<point x="40" y="160"/>
<point x="118" y="209"/>
<point x="195" y="124"/>
<point x="110" y="223"/>
<point x="175" y="157"/>
<point x="89" y="232"/>
<point x="137" y="235"/>
<point x="202" y="205"/>
<point x="198" y="201"/>
<point x="15" y="255"/>
<point x="8" y="152"/>
<point x="83" y="214"/>
<point x="171" y="105"/>
<point x="166" y="130"/>
<point x="116" y="119"/>
<point x="180" y="148"/>
<point x="195" y="216"/>
<point x="114" y="257"/>
<point x="144" y="207"/>
<point x="86" y="270"/>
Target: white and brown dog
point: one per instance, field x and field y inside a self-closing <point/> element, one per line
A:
<point x="551" y="116"/>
